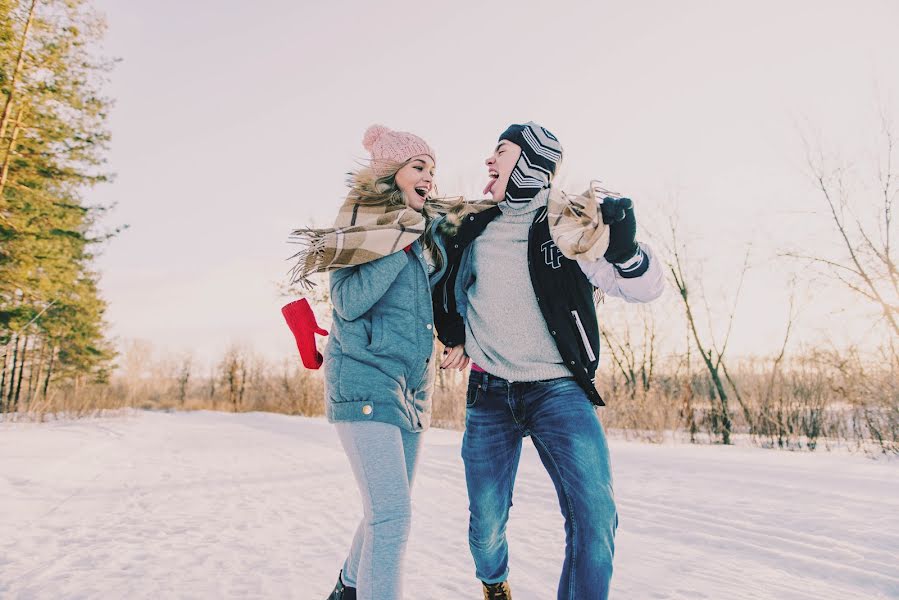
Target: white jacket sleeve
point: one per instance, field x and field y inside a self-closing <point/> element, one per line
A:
<point x="645" y="288"/>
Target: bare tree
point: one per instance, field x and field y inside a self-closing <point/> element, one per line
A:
<point x="867" y="264"/>
<point x="635" y="358"/>
<point x="233" y="369"/>
<point x="184" y="377"/>
<point x="772" y="419"/>
<point x="712" y="354"/>
<point x="212" y="381"/>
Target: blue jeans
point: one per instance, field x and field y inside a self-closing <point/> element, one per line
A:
<point x="563" y="424"/>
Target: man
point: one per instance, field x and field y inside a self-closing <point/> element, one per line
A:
<point x="519" y="294"/>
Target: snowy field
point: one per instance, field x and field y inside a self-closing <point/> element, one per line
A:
<point x="214" y="505"/>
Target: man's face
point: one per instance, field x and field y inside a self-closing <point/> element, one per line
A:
<point x="499" y="168"/>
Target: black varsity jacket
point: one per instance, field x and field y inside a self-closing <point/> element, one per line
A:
<point x="563" y="292"/>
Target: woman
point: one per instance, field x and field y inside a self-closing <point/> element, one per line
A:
<point x="379" y="363"/>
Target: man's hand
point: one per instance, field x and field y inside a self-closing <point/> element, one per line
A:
<point x="615" y="209"/>
<point x="454" y="358"/>
<point x="618" y="214"/>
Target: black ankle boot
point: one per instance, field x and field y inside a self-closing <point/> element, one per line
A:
<point x="497" y="591"/>
<point x="341" y="591"/>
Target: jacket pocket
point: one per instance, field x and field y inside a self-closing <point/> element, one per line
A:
<point x="357" y="381"/>
<point x="591" y="355"/>
<point x="377" y="333"/>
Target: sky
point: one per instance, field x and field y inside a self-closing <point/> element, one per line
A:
<point x="236" y="122"/>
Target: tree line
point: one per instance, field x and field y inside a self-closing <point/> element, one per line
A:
<point x="53" y="143"/>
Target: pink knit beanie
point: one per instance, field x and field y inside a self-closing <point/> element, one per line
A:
<point x="387" y="146"/>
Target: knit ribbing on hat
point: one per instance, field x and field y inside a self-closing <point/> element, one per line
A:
<point x="388" y="147"/>
<point x="541" y="154"/>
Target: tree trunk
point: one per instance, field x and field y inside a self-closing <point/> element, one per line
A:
<point x="725" y="428"/>
<point x="243" y="383"/>
<point x="15" y="407"/>
<point x="232" y="386"/>
<point x="14" y="79"/>
<point x="3" y="377"/>
<point x="10" y="150"/>
<point x="212" y="378"/>
<point x="34" y="376"/>
<point x="49" y="371"/>
<point x="12" y="373"/>
<point x="183" y="381"/>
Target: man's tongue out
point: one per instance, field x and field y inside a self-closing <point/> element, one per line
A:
<point x="490" y="185"/>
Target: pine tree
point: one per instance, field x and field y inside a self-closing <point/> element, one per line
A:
<point x="53" y="141"/>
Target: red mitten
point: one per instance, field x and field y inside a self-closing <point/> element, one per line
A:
<point x="301" y="320"/>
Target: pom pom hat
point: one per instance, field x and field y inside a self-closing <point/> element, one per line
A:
<point x="388" y="147"/>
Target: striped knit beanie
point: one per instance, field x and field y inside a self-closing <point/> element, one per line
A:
<point x="541" y="154"/>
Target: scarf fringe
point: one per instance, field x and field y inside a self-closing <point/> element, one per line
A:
<point x="308" y="258"/>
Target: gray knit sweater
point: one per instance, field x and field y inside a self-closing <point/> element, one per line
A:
<point x="505" y="333"/>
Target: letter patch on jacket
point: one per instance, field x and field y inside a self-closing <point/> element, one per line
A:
<point x="552" y="254"/>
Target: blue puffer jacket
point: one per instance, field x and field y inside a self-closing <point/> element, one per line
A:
<point x="380" y="355"/>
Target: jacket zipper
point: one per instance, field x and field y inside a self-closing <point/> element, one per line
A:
<point x="446" y="287"/>
<point x="580" y="327"/>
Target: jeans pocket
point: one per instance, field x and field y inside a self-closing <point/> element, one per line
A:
<point x="472" y="395"/>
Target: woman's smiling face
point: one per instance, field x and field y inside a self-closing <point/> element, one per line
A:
<point x="416" y="180"/>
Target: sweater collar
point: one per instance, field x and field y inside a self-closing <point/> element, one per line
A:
<point x="524" y="208"/>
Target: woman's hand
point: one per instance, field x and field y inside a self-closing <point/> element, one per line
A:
<point x="454" y="358"/>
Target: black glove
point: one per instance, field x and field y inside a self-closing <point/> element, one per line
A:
<point x="614" y="209"/>
<point x="618" y="214"/>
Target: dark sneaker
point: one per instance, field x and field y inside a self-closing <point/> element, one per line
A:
<point x="497" y="591"/>
<point x="343" y="592"/>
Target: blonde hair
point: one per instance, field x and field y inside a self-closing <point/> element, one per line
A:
<point x="379" y="188"/>
<point x="376" y="188"/>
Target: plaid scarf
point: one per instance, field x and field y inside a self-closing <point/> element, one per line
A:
<point x="575" y="222"/>
<point x="366" y="231"/>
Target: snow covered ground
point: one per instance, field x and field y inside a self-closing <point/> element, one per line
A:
<point x="214" y="505"/>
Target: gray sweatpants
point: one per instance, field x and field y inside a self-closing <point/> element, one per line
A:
<point x="383" y="459"/>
